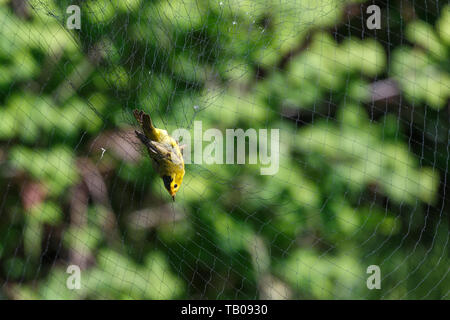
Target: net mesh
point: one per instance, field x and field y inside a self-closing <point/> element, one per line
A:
<point x="363" y="118"/>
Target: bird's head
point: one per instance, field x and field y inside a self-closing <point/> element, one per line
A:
<point x="172" y="183"/>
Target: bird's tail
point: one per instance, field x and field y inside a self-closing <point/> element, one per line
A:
<point x="145" y="121"/>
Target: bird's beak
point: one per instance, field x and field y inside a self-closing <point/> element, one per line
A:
<point x="173" y="198"/>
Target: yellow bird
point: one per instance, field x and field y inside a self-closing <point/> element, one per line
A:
<point x="164" y="151"/>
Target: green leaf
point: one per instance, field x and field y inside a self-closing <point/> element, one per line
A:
<point x="443" y="25"/>
<point x="47" y="212"/>
<point x="423" y="34"/>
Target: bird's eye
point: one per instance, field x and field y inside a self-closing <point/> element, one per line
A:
<point x="175" y="185"/>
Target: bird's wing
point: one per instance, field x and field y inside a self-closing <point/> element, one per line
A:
<point x="160" y="151"/>
<point x="149" y="144"/>
<point x="166" y="151"/>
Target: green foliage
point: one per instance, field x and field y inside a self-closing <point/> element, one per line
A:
<point x="55" y="168"/>
<point x="360" y="156"/>
<point x="423" y="70"/>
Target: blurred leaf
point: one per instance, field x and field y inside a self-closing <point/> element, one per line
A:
<point x="55" y="167"/>
<point x="46" y="212"/>
<point x="443" y="25"/>
<point x="423" y="34"/>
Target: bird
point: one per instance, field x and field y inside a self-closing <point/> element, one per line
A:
<point x="164" y="150"/>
